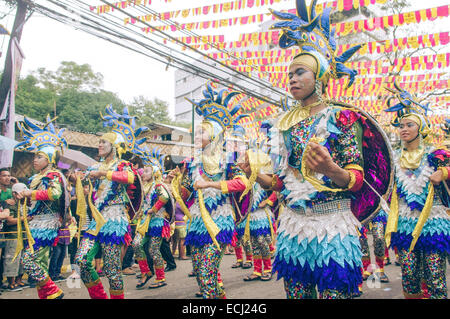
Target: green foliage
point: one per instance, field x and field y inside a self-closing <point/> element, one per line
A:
<point x="74" y="94"/>
<point x="149" y="111"/>
<point x="70" y="76"/>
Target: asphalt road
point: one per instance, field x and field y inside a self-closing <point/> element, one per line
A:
<point x="180" y="286"/>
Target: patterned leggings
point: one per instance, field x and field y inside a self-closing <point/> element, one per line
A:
<point x="260" y="245"/>
<point x="431" y="267"/>
<point x="138" y="246"/>
<point x="112" y="263"/>
<point x="245" y="244"/>
<point x="36" y="264"/>
<point x="205" y="263"/>
<point x="378" y="245"/>
<point x="155" y="253"/>
<point x="296" y="290"/>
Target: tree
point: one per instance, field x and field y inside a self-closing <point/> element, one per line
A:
<point x="70" y="75"/>
<point x="33" y="101"/>
<point x="155" y="111"/>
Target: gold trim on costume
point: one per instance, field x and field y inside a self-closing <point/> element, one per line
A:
<point x="55" y="295"/>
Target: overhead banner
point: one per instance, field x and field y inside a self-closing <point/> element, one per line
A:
<point x="8" y="116"/>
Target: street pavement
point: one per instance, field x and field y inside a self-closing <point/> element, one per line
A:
<point x="180" y="286"/>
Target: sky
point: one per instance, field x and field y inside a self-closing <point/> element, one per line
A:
<point x="46" y="43"/>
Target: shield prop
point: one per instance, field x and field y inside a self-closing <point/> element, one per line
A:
<point x="240" y="209"/>
<point x="378" y="167"/>
<point x="135" y="193"/>
<point x="170" y="205"/>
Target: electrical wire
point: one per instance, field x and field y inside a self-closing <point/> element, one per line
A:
<point x="96" y="28"/>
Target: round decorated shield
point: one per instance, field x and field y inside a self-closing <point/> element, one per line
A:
<point x="378" y="167"/>
<point x="135" y="193"/>
<point x="242" y="208"/>
<point x="170" y="205"/>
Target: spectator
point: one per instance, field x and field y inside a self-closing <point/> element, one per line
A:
<point x="13" y="269"/>
<point x="5" y="194"/>
<point x="179" y="234"/>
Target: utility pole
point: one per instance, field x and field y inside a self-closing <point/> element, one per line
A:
<point x="16" y="32"/>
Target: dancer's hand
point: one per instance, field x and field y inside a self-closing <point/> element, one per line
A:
<point x="200" y="184"/>
<point x="97" y="174"/>
<point x="437" y="177"/>
<point x="25" y="194"/>
<point x="318" y="159"/>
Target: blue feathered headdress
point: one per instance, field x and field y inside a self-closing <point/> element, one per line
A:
<point x="313" y="35"/>
<point x="126" y="134"/>
<point x="214" y="109"/>
<point x="43" y="139"/>
<point x="153" y="158"/>
<point x="407" y="104"/>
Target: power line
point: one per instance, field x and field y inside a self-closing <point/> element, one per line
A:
<point x="96" y="28"/>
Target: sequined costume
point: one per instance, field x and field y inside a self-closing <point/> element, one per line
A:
<point x="433" y="244"/>
<point x="318" y="233"/>
<point x="154" y="225"/>
<point x="418" y="225"/>
<point x="110" y="201"/>
<point x="259" y="227"/>
<point x="48" y="192"/>
<point x="211" y="223"/>
<point x="317" y="238"/>
<point x="235" y="145"/>
<point x="49" y="205"/>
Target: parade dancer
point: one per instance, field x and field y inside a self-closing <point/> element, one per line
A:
<point x="114" y="196"/>
<point x="235" y="145"/>
<point x="328" y="156"/>
<point x="49" y="202"/>
<point x="377" y="228"/>
<point x="259" y="223"/>
<point x="418" y="224"/>
<point x="157" y="215"/>
<point x="211" y="222"/>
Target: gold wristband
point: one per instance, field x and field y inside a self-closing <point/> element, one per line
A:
<point x="352" y="181"/>
<point x="109" y="175"/>
<point x="444" y="173"/>
<point x="274" y="182"/>
<point x="224" y="187"/>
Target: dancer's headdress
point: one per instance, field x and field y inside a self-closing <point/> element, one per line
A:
<point x="313" y="35"/>
<point x="44" y="139"/>
<point x="124" y="135"/>
<point x="217" y="117"/>
<point x="155" y="159"/>
<point x="408" y="106"/>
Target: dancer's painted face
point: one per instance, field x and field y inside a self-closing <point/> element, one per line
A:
<point x="301" y="82"/>
<point x="104" y="148"/>
<point x="40" y="161"/>
<point x="408" y="130"/>
<point x="202" y="137"/>
<point x="147" y="174"/>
